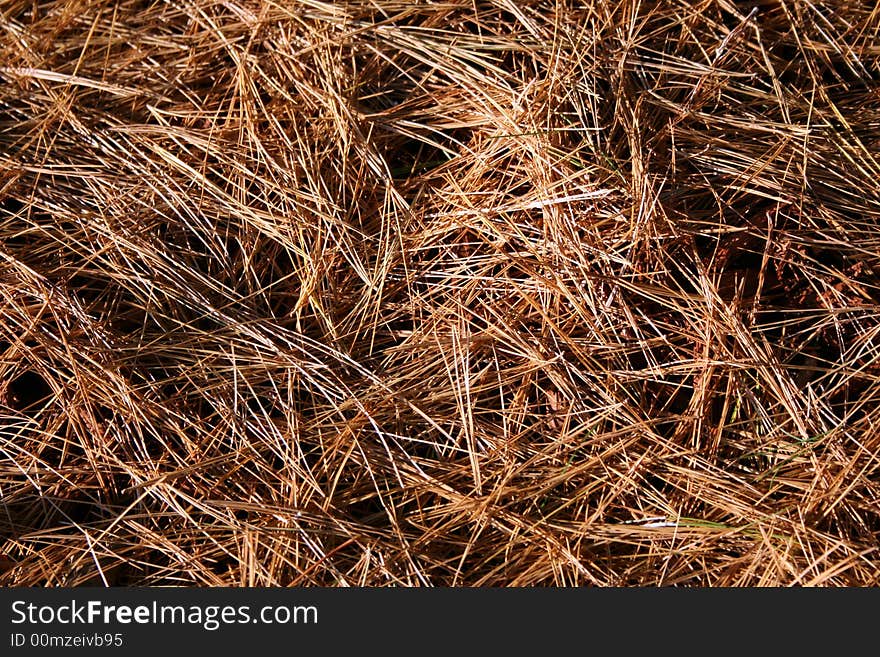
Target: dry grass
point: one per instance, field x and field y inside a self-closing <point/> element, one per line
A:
<point x="439" y="293"/>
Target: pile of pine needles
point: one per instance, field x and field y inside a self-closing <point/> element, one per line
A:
<point x="386" y="292"/>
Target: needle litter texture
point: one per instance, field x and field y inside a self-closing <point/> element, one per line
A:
<point x="435" y="293"/>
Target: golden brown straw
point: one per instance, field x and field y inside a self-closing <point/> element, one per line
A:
<point x="439" y="293"/>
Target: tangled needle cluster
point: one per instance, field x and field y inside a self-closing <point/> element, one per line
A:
<point x="439" y="292"/>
